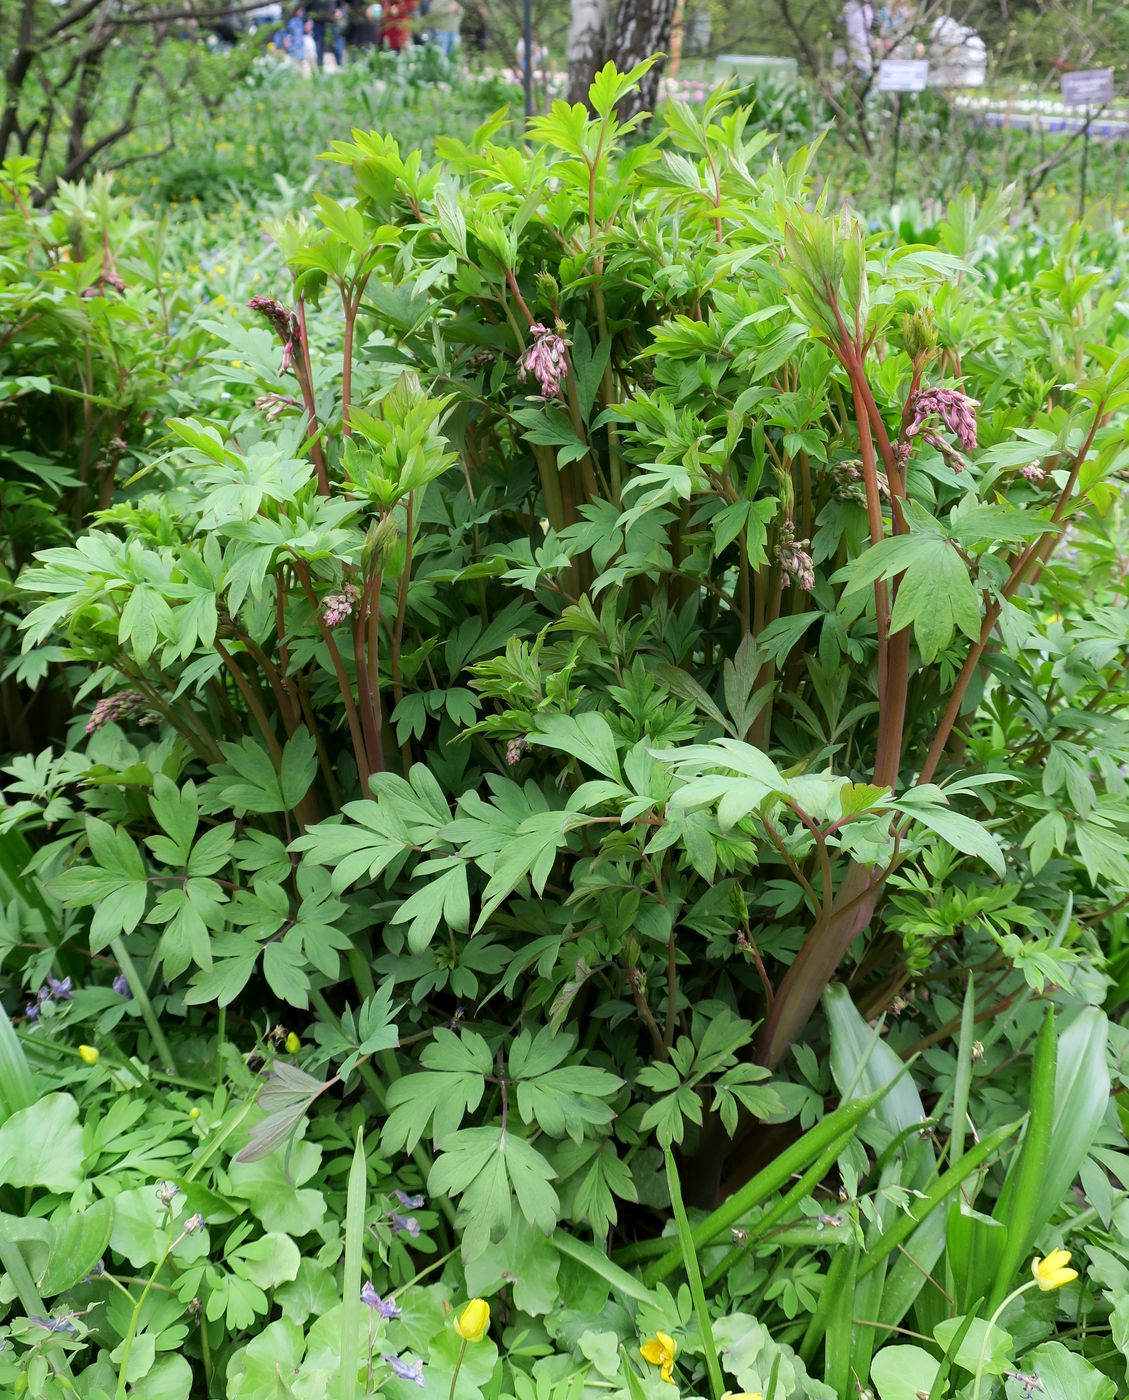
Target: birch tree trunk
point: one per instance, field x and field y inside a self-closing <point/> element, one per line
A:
<point x="642" y="28"/>
<point x="639" y="29"/>
<point x="587" y="45"/>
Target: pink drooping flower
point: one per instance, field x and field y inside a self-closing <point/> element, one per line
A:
<point x="112" y="708"/>
<point x="546" y="360"/>
<point x="273" y="406"/>
<point x="795" y="561"/>
<point x="336" y="607"/>
<point x="1034" y="474"/>
<point x="286" y="326"/>
<point x="958" y="413"/>
<point x="514" y="750"/>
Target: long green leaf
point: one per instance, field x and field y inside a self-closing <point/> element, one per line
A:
<point x="352" y="1323"/>
<point x="1018" y="1205"/>
<point x="782" y="1205"/>
<point x="619" y="1280"/>
<point x="694" y="1275"/>
<point x="771" y="1178"/>
<point x="963" y="1082"/>
<point x="18" y="1085"/>
<point x="932" y="1198"/>
<point x="1082" y="1089"/>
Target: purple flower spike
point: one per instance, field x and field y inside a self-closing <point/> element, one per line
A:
<point x="31" y="1011"/>
<point x="408" y="1202"/>
<point x="545" y="360"/>
<point x="407" y="1371"/>
<point x="336" y="607"/>
<point x="405" y="1225"/>
<point x="794" y="559"/>
<point x="958" y="413"/>
<point x="61" y="991"/>
<point x="121" y="985"/>
<point x="112" y="708"/>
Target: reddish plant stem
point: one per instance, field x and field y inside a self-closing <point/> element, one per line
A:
<point x="252" y="700"/>
<point x="305" y="375"/>
<point x="366" y="635"/>
<point x="396" y="640"/>
<point x="360" y="753"/>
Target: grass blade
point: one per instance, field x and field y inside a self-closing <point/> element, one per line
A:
<point x="18" y="1085"/>
<point x="934" y="1197"/>
<point x="771" y="1179"/>
<point x="1018" y="1204"/>
<point x="694" y="1275"/>
<point x="352" y="1323"/>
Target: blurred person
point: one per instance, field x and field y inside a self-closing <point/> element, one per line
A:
<point x="362" y="25"/>
<point x="447" y="17"/>
<point x="858" y="20"/>
<point x="397" y="18"/>
<point x="266" y="17"/>
<point x="327" y="26"/>
<point x="540" y="55"/>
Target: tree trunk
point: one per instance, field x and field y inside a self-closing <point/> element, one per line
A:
<point x="587" y="45"/>
<point x="642" y="28"/>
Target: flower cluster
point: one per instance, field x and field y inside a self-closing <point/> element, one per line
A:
<point x="850" y="484"/>
<point x="336" y="607"/>
<point x="286" y="326"/>
<point x="514" y="750"/>
<point x="545" y="360"/>
<point x="273" y="406"/>
<point x="1034" y="474"/>
<point x="55" y="989"/>
<point x="112" y="708"/>
<point x="794" y="560"/>
<point x="958" y="413"/>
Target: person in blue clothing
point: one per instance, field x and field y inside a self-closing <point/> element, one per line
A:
<point x="327" y="29"/>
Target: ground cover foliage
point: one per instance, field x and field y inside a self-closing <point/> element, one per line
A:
<point x="569" y="751"/>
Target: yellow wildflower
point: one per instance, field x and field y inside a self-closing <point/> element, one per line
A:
<point x="473" y="1321"/>
<point x="293" y="1044"/>
<point x="221" y="300"/>
<point x="659" y="1350"/>
<point x="1051" y="1273"/>
<point x="742" y="1395"/>
<point x="89" y="1056"/>
<point x="193" y="1113"/>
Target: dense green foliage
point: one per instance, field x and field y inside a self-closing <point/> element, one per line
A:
<point x="527" y="728"/>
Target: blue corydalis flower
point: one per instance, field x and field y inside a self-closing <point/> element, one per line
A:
<point x="406" y="1370"/>
<point x="384" y="1306"/>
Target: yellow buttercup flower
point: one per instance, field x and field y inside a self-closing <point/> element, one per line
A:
<point x="1051" y="1272"/>
<point x="472" y="1322"/>
<point x="89" y="1056"/>
<point x="659" y="1350"/>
